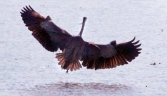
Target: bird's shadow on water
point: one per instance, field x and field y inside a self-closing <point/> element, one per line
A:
<point x="79" y="89"/>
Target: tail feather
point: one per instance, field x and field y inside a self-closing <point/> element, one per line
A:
<point x="73" y="66"/>
<point x="67" y="63"/>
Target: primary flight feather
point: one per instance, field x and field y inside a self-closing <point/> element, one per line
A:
<point x="74" y="48"/>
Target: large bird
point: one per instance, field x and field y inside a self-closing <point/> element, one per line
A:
<point x="74" y="48"/>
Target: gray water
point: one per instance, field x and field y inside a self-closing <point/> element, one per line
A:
<point x="27" y="69"/>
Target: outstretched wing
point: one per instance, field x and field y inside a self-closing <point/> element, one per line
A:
<point x="114" y="55"/>
<point x="42" y="28"/>
<point x="90" y="52"/>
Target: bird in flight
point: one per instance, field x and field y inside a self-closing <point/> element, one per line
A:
<point x="74" y="48"/>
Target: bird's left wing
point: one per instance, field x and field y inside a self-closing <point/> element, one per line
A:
<point x="42" y="29"/>
<point x="112" y="55"/>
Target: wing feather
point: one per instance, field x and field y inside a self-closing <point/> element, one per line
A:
<point x="33" y="21"/>
<point x="120" y="54"/>
<point x="90" y="52"/>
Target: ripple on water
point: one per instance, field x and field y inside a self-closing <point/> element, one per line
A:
<point x="78" y="89"/>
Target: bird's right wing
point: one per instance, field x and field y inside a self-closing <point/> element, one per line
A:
<point x="114" y="55"/>
<point x="90" y="52"/>
<point x="42" y="29"/>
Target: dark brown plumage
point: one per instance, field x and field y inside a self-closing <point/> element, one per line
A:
<point x="74" y="48"/>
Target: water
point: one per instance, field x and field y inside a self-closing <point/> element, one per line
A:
<point x="27" y="69"/>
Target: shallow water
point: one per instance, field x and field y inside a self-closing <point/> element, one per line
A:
<point x="78" y="89"/>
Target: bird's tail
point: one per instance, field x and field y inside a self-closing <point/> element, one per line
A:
<point x="66" y="62"/>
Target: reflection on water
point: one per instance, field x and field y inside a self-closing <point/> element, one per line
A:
<point x="78" y="89"/>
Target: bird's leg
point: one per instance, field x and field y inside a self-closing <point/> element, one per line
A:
<point x="83" y="24"/>
<point x="67" y="71"/>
